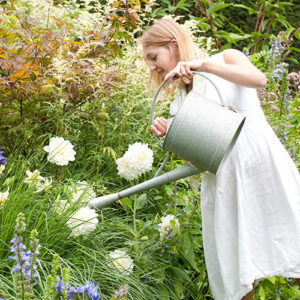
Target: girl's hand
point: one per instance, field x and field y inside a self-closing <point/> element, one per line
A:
<point x="183" y="69"/>
<point x="159" y="127"/>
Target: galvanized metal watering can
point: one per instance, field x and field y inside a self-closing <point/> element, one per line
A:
<point x="202" y="133"/>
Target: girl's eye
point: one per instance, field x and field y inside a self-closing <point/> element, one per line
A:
<point x="154" y="57"/>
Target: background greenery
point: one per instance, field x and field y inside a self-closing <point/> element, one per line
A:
<point x="75" y="71"/>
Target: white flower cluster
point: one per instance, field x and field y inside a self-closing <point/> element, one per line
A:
<point x="60" y="151"/>
<point x="122" y="261"/>
<point x="36" y="180"/>
<point x="83" y="221"/>
<point x="137" y="160"/>
<point x="165" y="227"/>
<point x="79" y="191"/>
<point x="4" y="198"/>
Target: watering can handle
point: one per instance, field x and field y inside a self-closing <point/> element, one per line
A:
<point x="160" y="87"/>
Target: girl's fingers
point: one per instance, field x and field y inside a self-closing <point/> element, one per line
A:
<point x="161" y="121"/>
<point x="182" y="69"/>
<point x="159" y="127"/>
<point x="156" y="131"/>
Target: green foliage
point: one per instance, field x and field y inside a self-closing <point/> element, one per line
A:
<point x="242" y="24"/>
<point x="40" y="66"/>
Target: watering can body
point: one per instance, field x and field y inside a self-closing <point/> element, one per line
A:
<point x="202" y="133"/>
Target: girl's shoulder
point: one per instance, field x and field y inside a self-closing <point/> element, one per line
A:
<point x="218" y="57"/>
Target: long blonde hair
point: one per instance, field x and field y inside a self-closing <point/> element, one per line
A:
<point x="161" y="33"/>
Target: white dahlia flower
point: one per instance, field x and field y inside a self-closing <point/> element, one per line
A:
<point x="60" y="151"/>
<point x="125" y="170"/>
<point x="165" y="227"/>
<point x="81" y="190"/>
<point x="137" y="160"/>
<point x="140" y="157"/>
<point x="83" y="221"/>
<point x="122" y="261"/>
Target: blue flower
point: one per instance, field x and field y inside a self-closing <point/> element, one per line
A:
<point x="2" y="158"/>
<point x="120" y="292"/>
<point x="60" y="285"/>
<point x="91" y="289"/>
<point x="95" y="296"/>
<point x="80" y="289"/>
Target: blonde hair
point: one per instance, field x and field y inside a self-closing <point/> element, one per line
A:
<point x="161" y="33"/>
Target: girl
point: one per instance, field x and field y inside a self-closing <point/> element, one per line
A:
<point x="251" y="208"/>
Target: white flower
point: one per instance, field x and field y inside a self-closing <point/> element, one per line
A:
<point x="60" y="151"/>
<point x="122" y="261"/>
<point x="140" y="157"/>
<point x="165" y="227"/>
<point x="83" y="221"/>
<point x="137" y="160"/>
<point x="34" y="179"/>
<point x="2" y="167"/>
<point x="125" y="170"/>
<point x="43" y="184"/>
<point x="4" y="198"/>
<point x="82" y="191"/>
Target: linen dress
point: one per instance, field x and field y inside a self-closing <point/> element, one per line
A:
<point x="251" y="207"/>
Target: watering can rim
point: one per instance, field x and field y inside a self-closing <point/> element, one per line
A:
<point x="160" y="87"/>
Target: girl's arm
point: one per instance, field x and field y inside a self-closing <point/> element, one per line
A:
<point x="237" y="69"/>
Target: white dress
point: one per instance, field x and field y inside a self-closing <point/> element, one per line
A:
<point x="251" y="208"/>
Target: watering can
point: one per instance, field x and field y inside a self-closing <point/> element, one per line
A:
<point x="202" y="133"/>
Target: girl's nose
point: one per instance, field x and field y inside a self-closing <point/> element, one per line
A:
<point x="152" y="67"/>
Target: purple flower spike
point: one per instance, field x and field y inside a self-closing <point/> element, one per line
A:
<point x="2" y="158"/>
<point x="91" y="288"/>
<point x="60" y="285"/>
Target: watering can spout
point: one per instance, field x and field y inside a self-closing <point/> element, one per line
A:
<point x="181" y="172"/>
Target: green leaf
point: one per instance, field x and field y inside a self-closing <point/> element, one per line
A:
<point x="288" y="32"/>
<point x="250" y="10"/>
<point x="272" y="279"/>
<point x="293" y="60"/>
<point x="237" y="28"/>
<point x="265" y="22"/>
<point x="141" y="201"/>
<point x="126" y="202"/>
<point x="173" y="223"/>
<point x="179" y="4"/>
<point x="190" y="257"/>
<point x="216" y="7"/>
<point x="162" y="293"/>
<point x="179" y="273"/>
<point x="261" y="293"/>
<point x="295" y="49"/>
<point x="283" y="22"/>
<point x="185" y="242"/>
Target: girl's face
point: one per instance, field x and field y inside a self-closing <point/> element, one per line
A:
<point x="161" y="59"/>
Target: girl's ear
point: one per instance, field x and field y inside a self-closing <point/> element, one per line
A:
<point x="174" y="46"/>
